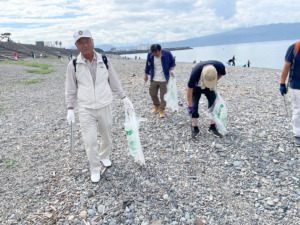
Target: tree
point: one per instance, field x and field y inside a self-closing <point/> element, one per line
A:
<point x="99" y="50"/>
<point x="60" y="43"/>
<point x="56" y="43"/>
<point x="5" y="35"/>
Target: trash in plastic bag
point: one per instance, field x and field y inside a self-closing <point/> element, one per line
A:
<point x="133" y="137"/>
<point x="218" y="113"/>
<point x="171" y="95"/>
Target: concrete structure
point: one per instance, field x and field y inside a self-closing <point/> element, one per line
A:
<point x="40" y="43"/>
<point x="44" y="43"/>
<point x="144" y="47"/>
<point x="48" y="43"/>
<point x="7" y="50"/>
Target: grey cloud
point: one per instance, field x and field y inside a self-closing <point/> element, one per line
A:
<point x="225" y="9"/>
<point x="135" y="21"/>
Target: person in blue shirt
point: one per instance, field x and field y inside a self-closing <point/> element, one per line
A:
<point x="292" y="60"/>
<point x="203" y="80"/>
<point x="160" y="65"/>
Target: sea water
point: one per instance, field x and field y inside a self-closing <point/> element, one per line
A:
<point x="261" y="54"/>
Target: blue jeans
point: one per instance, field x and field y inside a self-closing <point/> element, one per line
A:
<point x="197" y="92"/>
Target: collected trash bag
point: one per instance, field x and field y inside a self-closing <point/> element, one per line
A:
<point x="171" y="95"/>
<point x="133" y="137"/>
<point x="218" y="113"/>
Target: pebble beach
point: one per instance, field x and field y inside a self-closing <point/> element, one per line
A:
<point x="251" y="176"/>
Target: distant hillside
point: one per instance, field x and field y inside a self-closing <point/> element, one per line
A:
<point x="107" y="47"/>
<point x="272" y="32"/>
<point x="104" y="47"/>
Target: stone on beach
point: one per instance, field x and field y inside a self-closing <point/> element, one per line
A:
<point x="251" y="176"/>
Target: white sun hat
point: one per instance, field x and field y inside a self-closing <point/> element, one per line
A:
<point x="82" y="33"/>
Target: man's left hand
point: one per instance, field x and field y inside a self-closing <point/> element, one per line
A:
<point x="190" y="109"/>
<point x="172" y="73"/>
<point x="283" y="89"/>
<point x="127" y="103"/>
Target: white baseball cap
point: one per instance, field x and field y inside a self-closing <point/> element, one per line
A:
<point x="210" y="76"/>
<point x="82" y="33"/>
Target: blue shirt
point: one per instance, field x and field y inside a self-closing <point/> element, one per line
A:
<point x="295" y="79"/>
<point x="197" y="70"/>
<point x="167" y="61"/>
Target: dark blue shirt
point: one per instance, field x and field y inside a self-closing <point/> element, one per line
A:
<point x="167" y="61"/>
<point x="295" y="79"/>
<point x="197" y="70"/>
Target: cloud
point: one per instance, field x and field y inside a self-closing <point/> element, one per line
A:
<point x="134" y="22"/>
<point x="252" y="13"/>
<point x="225" y="9"/>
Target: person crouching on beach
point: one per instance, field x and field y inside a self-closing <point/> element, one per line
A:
<point x="160" y="65"/>
<point x="203" y="80"/>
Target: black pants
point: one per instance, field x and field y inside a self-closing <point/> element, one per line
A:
<point x="197" y="92"/>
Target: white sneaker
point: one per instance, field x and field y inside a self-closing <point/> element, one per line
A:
<point x="106" y="162"/>
<point x="95" y="176"/>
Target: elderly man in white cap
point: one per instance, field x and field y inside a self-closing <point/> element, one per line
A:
<point x="90" y="80"/>
<point x="203" y="80"/>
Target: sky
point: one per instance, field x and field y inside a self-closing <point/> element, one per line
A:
<point x="133" y="22"/>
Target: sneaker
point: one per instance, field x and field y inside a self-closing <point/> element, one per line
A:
<point x="155" y="110"/>
<point x="195" y="131"/>
<point x="213" y="130"/>
<point x="106" y="162"/>
<point x="162" y="113"/>
<point x="297" y="141"/>
<point x="95" y="176"/>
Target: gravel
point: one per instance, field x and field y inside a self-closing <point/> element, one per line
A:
<point x="251" y="176"/>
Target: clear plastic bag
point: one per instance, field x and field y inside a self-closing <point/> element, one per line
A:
<point x="171" y="97"/>
<point x="218" y="113"/>
<point x="133" y="136"/>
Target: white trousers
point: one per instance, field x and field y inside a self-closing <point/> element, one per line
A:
<point x="296" y="112"/>
<point x="90" y="121"/>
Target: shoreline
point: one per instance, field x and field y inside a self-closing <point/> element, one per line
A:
<point x="130" y="52"/>
<point x="227" y="66"/>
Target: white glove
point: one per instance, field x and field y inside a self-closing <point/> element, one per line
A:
<point x="71" y="116"/>
<point x="172" y="73"/>
<point x="127" y="103"/>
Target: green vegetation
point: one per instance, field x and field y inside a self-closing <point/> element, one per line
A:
<point x="57" y="77"/>
<point x="11" y="163"/>
<point x="27" y="63"/>
<point x="40" y="71"/>
<point x="99" y="50"/>
<point x="43" y="68"/>
<point x="35" y="81"/>
<point x="2" y="108"/>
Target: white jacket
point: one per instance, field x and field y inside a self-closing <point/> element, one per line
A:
<point x="80" y="84"/>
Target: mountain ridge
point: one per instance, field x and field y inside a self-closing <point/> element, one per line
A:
<point x="262" y="33"/>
